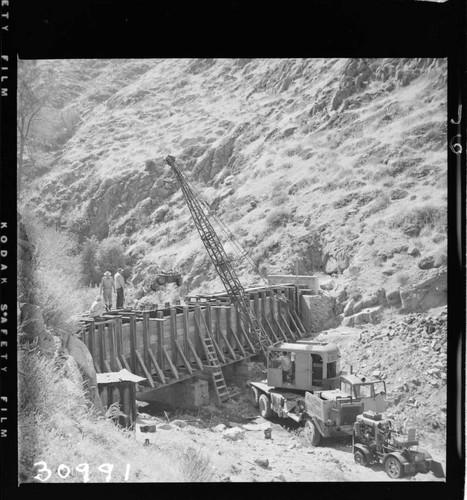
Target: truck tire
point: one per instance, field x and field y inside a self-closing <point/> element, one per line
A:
<point x="179" y="281"/>
<point x="312" y="435"/>
<point x="393" y="468"/>
<point x="161" y="280"/>
<point x="265" y="409"/>
<point x="255" y="395"/>
<point x="360" y="458"/>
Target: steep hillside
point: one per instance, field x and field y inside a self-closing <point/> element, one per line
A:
<point x="337" y="165"/>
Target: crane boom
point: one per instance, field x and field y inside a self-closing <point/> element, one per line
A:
<point x="221" y="262"/>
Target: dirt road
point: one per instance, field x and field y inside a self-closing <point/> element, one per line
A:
<point x="284" y="457"/>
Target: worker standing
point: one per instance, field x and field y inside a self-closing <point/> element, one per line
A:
<point x="107" y="285"/>
<point x="119" y="284"/>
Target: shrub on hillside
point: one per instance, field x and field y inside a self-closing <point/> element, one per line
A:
<point x="413" y="220"/>
<point x="278" y="217"/>
<point x="110" y="255"/>
<point x="57" y="279"/>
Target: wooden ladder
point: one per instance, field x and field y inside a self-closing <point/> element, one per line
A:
<point x="217" y="376"/>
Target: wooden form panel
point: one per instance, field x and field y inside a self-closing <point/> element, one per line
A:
<point x="147" y="342"/>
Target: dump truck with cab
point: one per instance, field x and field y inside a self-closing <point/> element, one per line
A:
<point x="305" y="383"/>
<point x="374" y="440"/>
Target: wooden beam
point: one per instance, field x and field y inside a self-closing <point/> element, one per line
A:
<point x="217" y="328"/>
<point x="173" y="368"/>
<point x="145" y="322"/>
<point x="299" y="323"/>
<point x="158" y="369"/>
<point x="252" y="347"/>
<point x="271" y="329"/>
<point x="160" y="339"/>
<point x="211" y="336"/>
<point x="195" y="355"/>
<point x="101" y="333"/>
<point x="173" y="335"/>
<point x="229" y="347"/>
<point x="186" y="330"/>
<point x="108" y="369"/>
<point x="92" y="339"/>
<point x="112" y="346"/>
<point x="288" y="329"/>
<point x="182" y="355"/>
<point x="133" y="357"/>
<point x="240" y="347"/>
<point x="146" y="372"/>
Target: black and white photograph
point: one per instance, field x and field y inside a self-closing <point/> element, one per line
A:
<point x="232" y="269"/>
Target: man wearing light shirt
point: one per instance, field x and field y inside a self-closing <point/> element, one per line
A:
<point x="119" y="284"/>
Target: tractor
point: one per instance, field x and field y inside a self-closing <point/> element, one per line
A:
<point x="166" y="277"/>
<point x="374" y="440"/>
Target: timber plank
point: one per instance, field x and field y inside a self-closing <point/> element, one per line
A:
<point x="159" y="372"/>
<point x="182" y="355"/>
<point x="173" y="369"/>
<point x="195" y="355"/>
<point x="145" y="370"/>
<point x="234" y="335"/>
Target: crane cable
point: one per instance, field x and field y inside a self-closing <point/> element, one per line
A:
<point x="244" y="255"/>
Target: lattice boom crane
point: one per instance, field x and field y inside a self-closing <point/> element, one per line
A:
<point x="221" y="262"/>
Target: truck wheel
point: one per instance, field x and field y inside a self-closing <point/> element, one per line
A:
<point x="161" y="280"/>
<point x="179" y="281"/>
<point x="312" y="435"/>
<point x="360" y="458"/>
<point x="393" y="468"/>
<point x="265" y="409"/>
<point x="255" y="394"/>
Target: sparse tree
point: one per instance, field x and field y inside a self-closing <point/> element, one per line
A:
<point x="35" y="88"/>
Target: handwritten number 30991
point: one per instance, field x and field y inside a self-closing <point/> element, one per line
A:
<point x="63" y="471"/>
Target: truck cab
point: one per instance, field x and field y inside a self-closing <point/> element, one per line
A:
<point x="371" y="393"/>
<point x="305" y="366"/>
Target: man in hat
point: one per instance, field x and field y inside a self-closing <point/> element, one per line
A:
<point x="119" y="283"/>
<point x="97" y="308"/>
<point x="107" y="285"/>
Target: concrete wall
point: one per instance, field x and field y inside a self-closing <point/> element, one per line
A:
<point x="189" y="394"/>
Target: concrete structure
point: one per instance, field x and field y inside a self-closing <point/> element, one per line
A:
<point x="177" y="348"/>
<point x="310" y="283"/>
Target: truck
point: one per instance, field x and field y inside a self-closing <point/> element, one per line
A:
<point x="305" y="383"/>
<point x="374" y="440"/>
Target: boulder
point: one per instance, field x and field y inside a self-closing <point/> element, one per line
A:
<point x="327" y="285"/>
<point x="413" y="251"/>
<point x="219" y="428"/>
<point x="427" y="262"/>
<point x="234" y="434"/>
<point x="83" y="358"/>
<point x="164" y="427"/>
<point x="331" y="266"/>
<point x="179" y="423"/>
<point x="32" y="324"/>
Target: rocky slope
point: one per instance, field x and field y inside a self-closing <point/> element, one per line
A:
<point x="335" y="165"/>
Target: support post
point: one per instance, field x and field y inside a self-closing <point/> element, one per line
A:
<point x="186" y="330"/>
<point x="147" y="361"/>
<point x="160" y="339"/>
<point x="101" y="333"/>
<point x="173" y="335"/>
<point x="112" y="346"/>
<point x="133" y="343"/>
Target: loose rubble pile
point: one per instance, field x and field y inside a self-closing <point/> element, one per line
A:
<point x="410" y="354"/>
